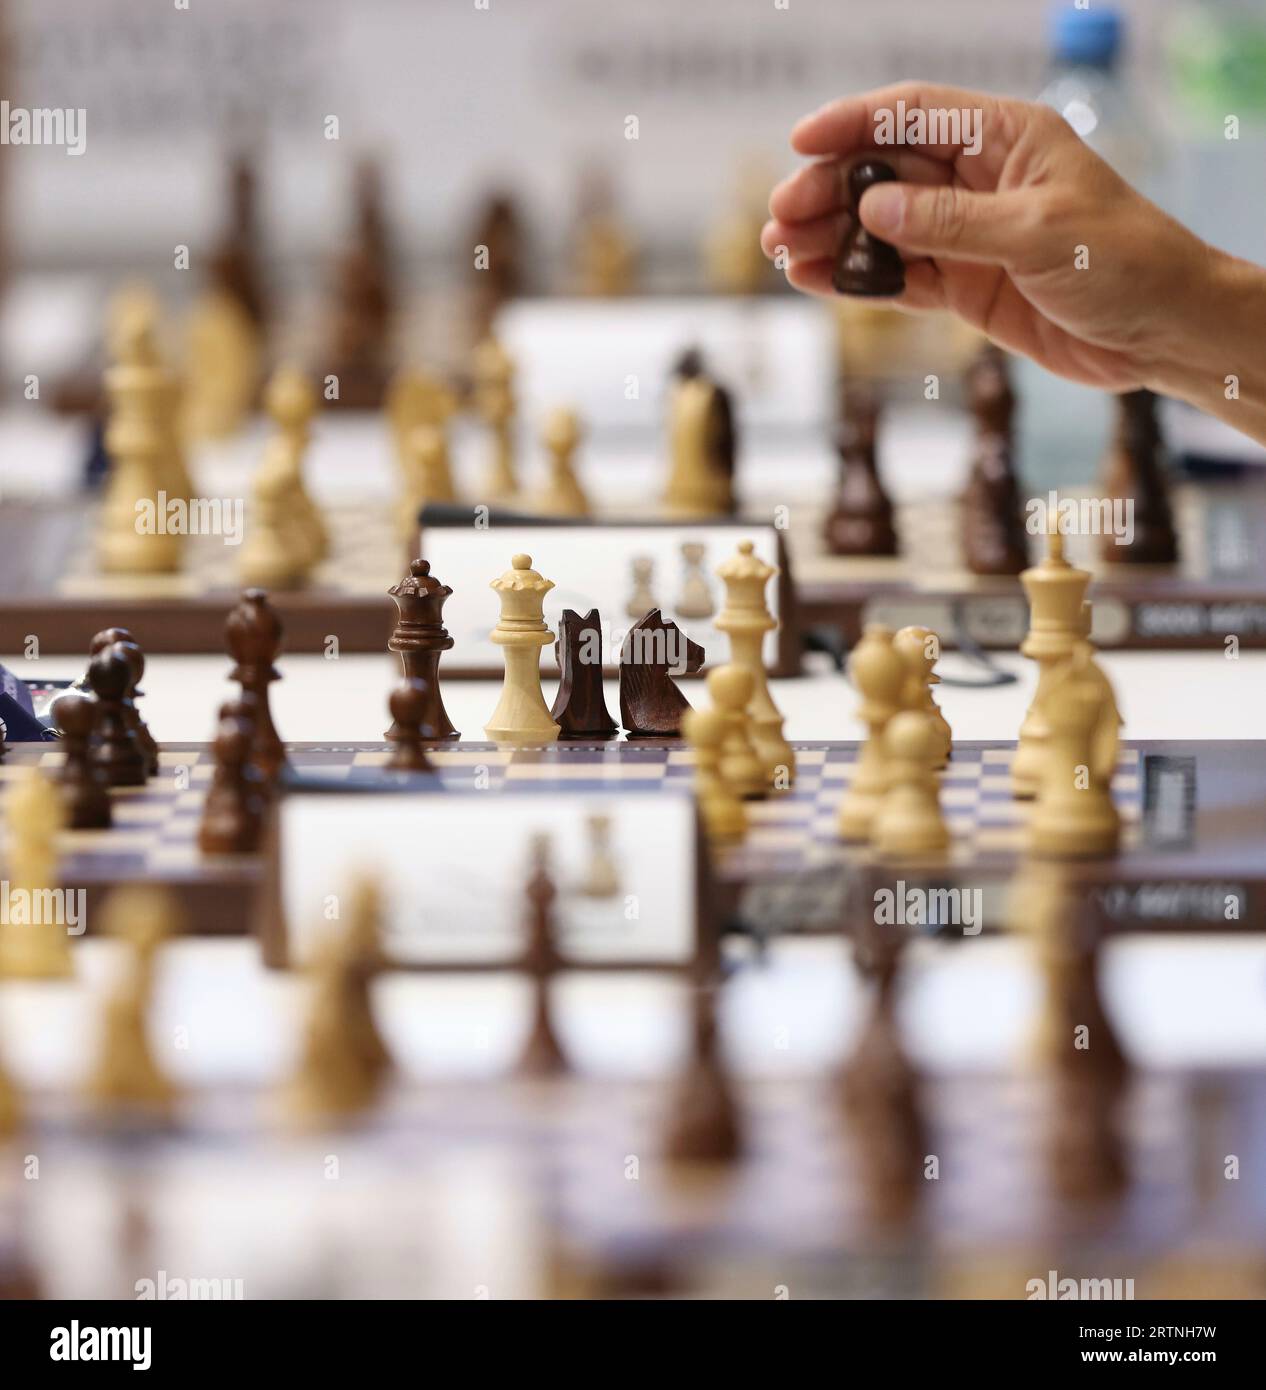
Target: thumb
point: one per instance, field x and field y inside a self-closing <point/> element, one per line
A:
<point x="942" y="221"/>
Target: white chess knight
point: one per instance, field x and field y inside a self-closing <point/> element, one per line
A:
<point x="522" y="715"/>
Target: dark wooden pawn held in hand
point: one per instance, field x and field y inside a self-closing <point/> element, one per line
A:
<point x="580" y="708"/>
<point x="994" y="539"/>
<point x="419" y="638"/>
<point x="233" y="812"/>
<point x="655" y="650"/>
<point x="861" y="521"/>
<point x="115" y="748"/>
<point x="253" y="636"/>
<point x="409" y="703"/>
<point x="85" y="789"/>
<point x="1135" y="470"/>
<point x="864" y="265"/>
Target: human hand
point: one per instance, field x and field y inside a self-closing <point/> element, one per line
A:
<point x="1034" y="240"/>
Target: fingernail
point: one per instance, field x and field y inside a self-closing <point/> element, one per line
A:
<point x="884" y="203"/>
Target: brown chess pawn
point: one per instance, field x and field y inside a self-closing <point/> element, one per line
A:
<point x="253" y="635"/>
<point x="420" y="637"/>
<point x="994" y="540"/>
<point x="861" y="522"/>
<point x="85" y="790"/>
<point x="233" y="812"/>
<point x="115" y="749"/>
<point x="864" y="265"/>
<point x="408" y="704"/>
<point x="136" y="661"/>
<point x="542" y="1055"/>
<point x="1135" y="471"/>
<point x="136" y="658"/>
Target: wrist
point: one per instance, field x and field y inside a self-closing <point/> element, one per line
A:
<point x="1212" y="351"/>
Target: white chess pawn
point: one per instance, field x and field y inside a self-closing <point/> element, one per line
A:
<point x="731" y="688"/>
<point x="563" y="496"/>
<point x="877" y="672"/>
<point x="909" y="821"/>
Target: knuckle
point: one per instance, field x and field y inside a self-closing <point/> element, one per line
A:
<point x="945" y="217"/>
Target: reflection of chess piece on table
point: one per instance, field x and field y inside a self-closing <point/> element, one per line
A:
<point x="695" y="600"/>
<point x="861" y="520"/>
<point x="641" y="597"/>
<point x="542" y="1055"/>
<point x="601" y="878"/>
<point x="1134" y="471"/>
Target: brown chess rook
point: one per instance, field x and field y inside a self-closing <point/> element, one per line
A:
<point x="115" y="748"/>
<point x="408" y="703"/>
<point x="864" y="265"/>
<point x="1136" y="471"/>
<point x="861" y="522"/>
<point x="420" y="638"/>
<point x="85" y="789"/>
<point x="655" y="650"/>
<point x="580" y="708"/>
<point x="236" y="801"/>
<point x="253" y="637"/>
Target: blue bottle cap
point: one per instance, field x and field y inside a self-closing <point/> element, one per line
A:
<point x="1089" y="38"/>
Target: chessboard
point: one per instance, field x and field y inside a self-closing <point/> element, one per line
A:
<point x="52" y="588"/>
<point x="1194" y="814"/>
<point x="575" y="1191"/>
<point x="1216" y="590"/>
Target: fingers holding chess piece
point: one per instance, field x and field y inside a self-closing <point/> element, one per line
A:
<point x="864" y="265"/>
<point x="127" y="1082"/>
